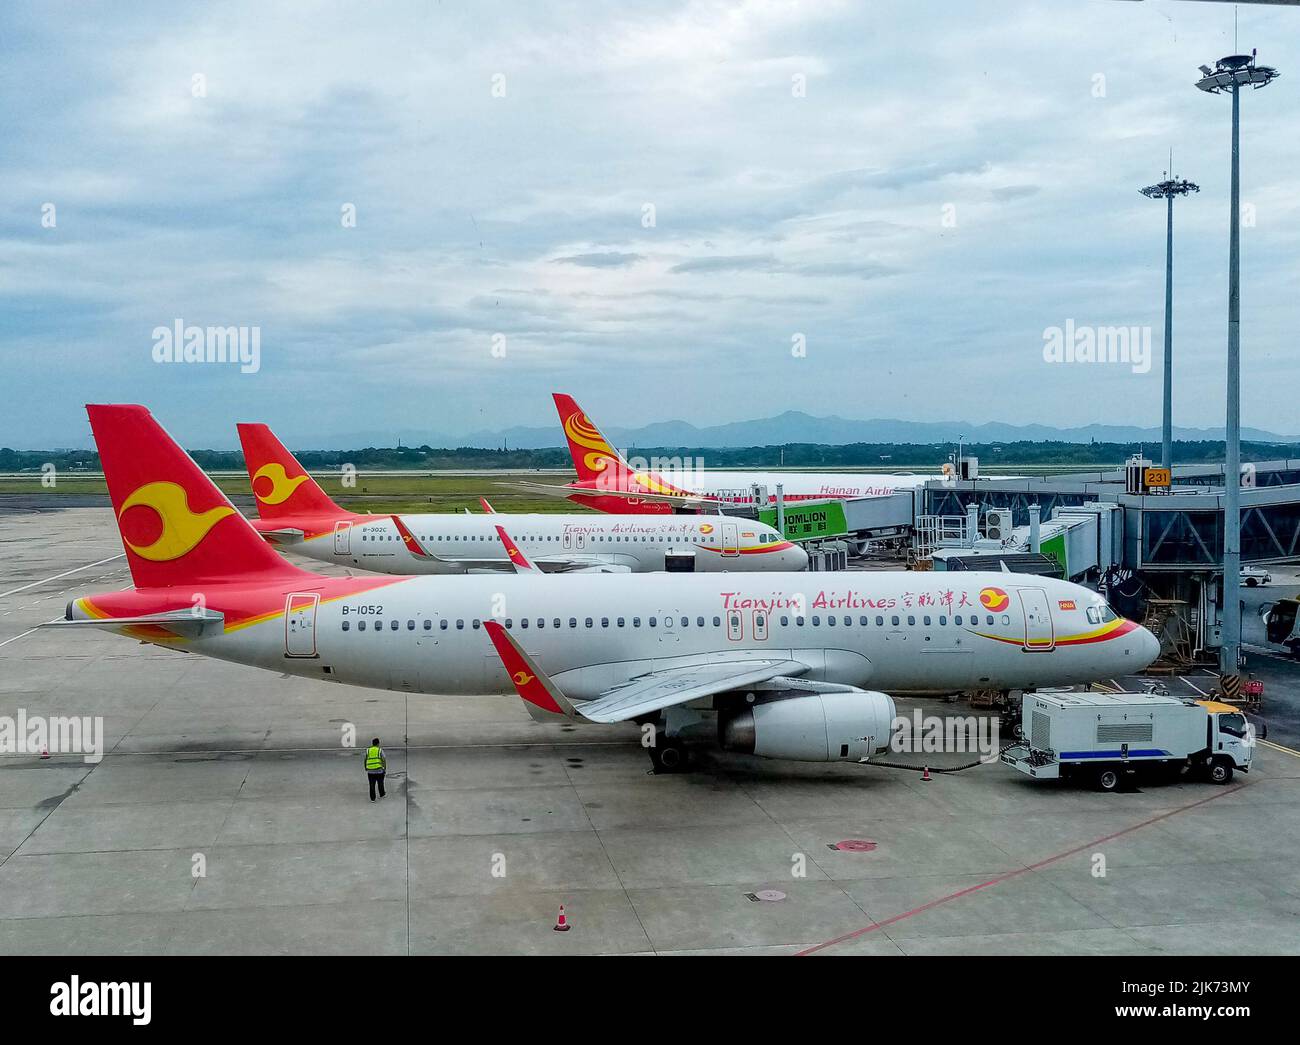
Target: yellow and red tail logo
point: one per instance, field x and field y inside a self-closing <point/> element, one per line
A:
<point x="994" y="599"/>
<point x="181" y="529"/>
<point x="272" y="486"/>
<point x="280" y="483"/>
<point x="177" y="528"/>
<point x="590" y="450"/>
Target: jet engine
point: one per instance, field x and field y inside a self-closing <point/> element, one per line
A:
<point x="844" y="725"/>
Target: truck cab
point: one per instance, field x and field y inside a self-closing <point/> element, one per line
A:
<point x="1230" y="742"/>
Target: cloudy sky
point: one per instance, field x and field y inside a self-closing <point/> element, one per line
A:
<point x="641" y="204"/>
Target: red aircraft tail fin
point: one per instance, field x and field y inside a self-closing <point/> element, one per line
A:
<point x="177" y="527"/>
<point x="281" y="485"/>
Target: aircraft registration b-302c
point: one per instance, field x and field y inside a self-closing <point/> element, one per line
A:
<point x="608" y="483"/>
<point x="294" y="511"/>
<point x="776" y="663"/>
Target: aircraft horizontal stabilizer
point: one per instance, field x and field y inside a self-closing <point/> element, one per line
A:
<point x="191" y="624"/>
<point x="288" y="535"/>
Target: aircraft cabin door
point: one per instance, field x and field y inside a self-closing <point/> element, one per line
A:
<point x="1039" y="633"/>
<point x="342" y="541"/>
<point x="730" y="539"/>
<point x="300" y="624"/>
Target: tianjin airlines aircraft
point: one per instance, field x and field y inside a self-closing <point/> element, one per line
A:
<point x="777" y="664"/>
<point x="293" y="510"/>
<point x="608" y="483"/>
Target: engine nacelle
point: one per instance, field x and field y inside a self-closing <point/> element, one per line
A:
<point x="817" y="727"/>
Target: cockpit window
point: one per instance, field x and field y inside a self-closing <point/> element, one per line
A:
<point x="1102" y="614"/>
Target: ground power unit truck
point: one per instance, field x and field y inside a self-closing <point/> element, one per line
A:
<point x="1108" y="739"/>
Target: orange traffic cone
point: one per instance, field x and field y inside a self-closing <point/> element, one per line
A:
<point x="562" y="922"/>
<point x="925" y="775"/>
<point x="45" y="751"/>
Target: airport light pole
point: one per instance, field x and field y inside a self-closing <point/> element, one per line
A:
<point x="1230" y="75"/>
<point x="1166" y="190"/>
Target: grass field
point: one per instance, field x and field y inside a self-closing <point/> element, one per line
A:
<point x="417" y="492"/>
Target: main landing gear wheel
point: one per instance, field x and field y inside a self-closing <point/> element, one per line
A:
<point x="668" y="756"/>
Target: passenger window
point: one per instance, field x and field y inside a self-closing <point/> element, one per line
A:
<point x="460" y="625"/>
<point x="346" y="625"/>
<point x="620" y="622"/>
<point x="442" y="624"/>
<point x="510" y="622"/>
<point x="911" y="621"/>
<point x="636" y="622"/>
<point x="699" y="622"/>
<point x="589" y="622"/>
<point x="816" y="621"/>
<point x="880" y="622"/>
<point x="785" y="622"/>
<point x="476" y="622"/>
<point x="573" y="622"/>
<point x="830" y="621"/>
<point x="894" y="621"/>
<point x="990" y="619"/>
<point x="652" y="622"/>
<point x="686" y="622"/>
<point x="410" y="625"/>
<point x="799" y="621"/>
<point x="523" y="622"/>
<point x="717" y="622"/>
<point x="604" y="622"/>
<point x="428" y="625"/>
<point x="926" y="620"/>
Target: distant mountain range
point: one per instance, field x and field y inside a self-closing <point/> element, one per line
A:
<point x="796" y="427"/>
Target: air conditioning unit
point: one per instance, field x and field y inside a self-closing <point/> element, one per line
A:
<point x="997" y="525"/>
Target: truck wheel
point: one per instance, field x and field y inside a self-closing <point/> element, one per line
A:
<point x="1220" y="771"/>
<point x="1107" y="779"/>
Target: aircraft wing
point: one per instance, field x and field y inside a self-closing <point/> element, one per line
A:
<point x="652" y="691"/>
<point x="578" y="564"/>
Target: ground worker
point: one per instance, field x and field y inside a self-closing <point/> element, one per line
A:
<point x="376" y="767"/>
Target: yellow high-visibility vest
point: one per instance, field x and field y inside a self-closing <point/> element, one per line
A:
<point x="374" y="759"/>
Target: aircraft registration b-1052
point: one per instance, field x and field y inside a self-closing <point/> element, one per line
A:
<point x="777" y="664"/>
<point x="294" y="511"/>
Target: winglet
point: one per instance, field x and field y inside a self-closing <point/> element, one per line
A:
<point x="409" y="539"/>
<point x="517" y="557"/>
<point x="530" y="682"/>
<point x="486" y="506"/>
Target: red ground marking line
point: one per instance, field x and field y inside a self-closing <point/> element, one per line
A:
<point x="1012" y="874"/>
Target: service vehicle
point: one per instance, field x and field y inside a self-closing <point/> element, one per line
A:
<point x="1107" y="739"/>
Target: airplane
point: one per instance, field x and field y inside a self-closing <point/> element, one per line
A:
<point x="295" y="512"/>
<point x="607" y="482"/>
<point x="775" y="665"/>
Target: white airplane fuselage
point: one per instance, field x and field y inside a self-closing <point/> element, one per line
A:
<point x="737" y="487"/>
<point x="895" y="632"/>
<point x="559" y="542"/>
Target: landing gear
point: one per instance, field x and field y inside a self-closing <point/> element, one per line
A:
<point x="668" y="756"/>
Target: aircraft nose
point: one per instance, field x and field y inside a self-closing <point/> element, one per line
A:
<point x="1148" y="646"/>
<point x="796" y="558"/>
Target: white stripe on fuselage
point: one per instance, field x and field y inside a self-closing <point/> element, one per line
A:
<point x="604" y="635"/>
